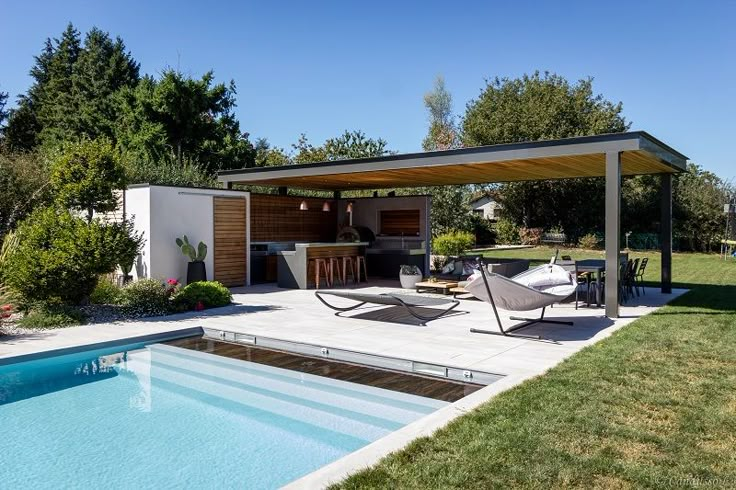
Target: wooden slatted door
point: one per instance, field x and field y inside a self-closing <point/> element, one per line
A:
<point x="230" y="245"/>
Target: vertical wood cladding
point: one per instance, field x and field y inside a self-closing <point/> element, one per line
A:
<point x="279" y="219"/>
<point x="230" y="245"/>
<point x="397" y="222"/>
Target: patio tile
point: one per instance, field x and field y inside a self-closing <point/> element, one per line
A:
<point x="296" y="315"/>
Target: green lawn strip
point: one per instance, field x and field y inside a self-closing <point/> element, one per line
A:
<point x="654" y="405"/>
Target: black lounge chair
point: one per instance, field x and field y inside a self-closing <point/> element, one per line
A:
<point x="408" y="302"/>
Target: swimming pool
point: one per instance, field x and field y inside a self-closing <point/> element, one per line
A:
<point x="162" y="416"/>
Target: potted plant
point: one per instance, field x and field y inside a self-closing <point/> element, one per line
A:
<point x="409" y="275"/>
<point x="126" y="268"/>
<point x="196" y="270"/>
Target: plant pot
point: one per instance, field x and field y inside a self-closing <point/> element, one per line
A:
<point x="196" y="272"/>
<point x="409" y="281"/>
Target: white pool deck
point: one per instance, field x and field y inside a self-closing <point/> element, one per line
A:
<point x="297" y="316"/>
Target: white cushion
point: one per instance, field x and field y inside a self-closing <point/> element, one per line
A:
<point x="546" y="277"/>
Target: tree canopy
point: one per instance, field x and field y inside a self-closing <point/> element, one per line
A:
<point x="450" y="209"/>
<point x="73" y="91"/>
<point x="85" y="176"/>
<point x="539" y="107"/>
<point x="443" y="133"/>
<point x="187" y="117"/>
<point x="91" y="88"/>
<point x="350" y="144"/>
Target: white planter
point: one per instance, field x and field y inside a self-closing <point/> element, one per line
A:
<point x="409" y="281"/>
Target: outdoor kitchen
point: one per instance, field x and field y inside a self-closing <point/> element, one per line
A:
<point x="307" y="242"/>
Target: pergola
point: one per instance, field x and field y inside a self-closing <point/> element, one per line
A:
<point x="609" y="155"/>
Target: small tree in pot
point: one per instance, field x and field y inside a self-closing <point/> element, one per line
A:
<point x="196" y="270"/>
<point x="409" y="275"/>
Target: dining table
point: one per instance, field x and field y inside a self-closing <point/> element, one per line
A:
<point x="591" y="266"/>
<point x="597" y="267"/>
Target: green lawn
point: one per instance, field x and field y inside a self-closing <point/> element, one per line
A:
<point x="652" y="406"/>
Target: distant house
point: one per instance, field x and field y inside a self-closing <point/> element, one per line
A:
<point x="485" y="206"/>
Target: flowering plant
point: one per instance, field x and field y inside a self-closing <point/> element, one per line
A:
<point x="172" y="287"/>
<point x="6" y="311"/>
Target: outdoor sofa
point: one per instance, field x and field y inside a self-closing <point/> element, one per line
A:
<point x="461" y="268"/>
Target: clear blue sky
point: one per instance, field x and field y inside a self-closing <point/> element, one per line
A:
<point x="323" y="67"/>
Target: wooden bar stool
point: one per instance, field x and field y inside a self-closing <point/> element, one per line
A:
<point x="334" y="263"/>
<point x="322" y="264"/>
<point x="348" y="265"/>
<point x="360" y="267"/>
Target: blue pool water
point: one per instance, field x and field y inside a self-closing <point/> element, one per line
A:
<point x="159" y="416"/>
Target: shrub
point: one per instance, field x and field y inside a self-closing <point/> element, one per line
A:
<point x="530" y="236"/>
<point x="588" y="242"/>
<point x="59" y="257"/>
<point x="166" y="171"/>
<point x="105" y="293"/>
<point x="146" y="297"/>
<point x="452" y="243"/>
<point x="202" y="294"/>
<point x="52" y="316"/>
<point x="85" y="176"/>
<point x="507" y="232"/>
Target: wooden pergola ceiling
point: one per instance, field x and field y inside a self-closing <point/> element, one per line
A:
<point x="542" y="160"/>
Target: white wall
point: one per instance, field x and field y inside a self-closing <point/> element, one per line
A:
<point x="487" y="206"/>
<point x="138" y="209"/>
<point x="173" y="212"/>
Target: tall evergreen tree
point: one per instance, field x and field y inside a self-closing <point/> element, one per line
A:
<point x="3" y="112"/>
<point x="103" y="67"/>
<point x="53" y="100"/>
<point x="72" y="95"/>
<point x="24" y="127"/>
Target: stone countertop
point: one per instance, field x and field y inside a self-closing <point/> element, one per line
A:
<point x="321" y="244"/>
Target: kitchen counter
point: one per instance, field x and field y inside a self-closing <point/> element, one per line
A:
<point x="328" y="245"/>
<point x="296" y="267"/>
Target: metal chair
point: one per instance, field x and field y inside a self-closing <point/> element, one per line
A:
<point x="622" y="273"/>
<point x="631" y="278"/>
<point x="639" y="277"/>
<point x="582" y="278"/>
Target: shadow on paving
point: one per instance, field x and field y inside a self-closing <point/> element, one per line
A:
<point x="398" y="315"/>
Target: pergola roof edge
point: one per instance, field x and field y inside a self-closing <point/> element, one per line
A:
<point x="662" y="159"/>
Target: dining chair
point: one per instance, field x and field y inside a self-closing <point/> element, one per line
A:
<point x="639" y="277"/>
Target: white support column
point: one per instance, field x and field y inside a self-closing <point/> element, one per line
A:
<point x="613" y="231"/>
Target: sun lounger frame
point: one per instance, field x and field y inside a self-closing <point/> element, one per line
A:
<point x="408" y="302"/>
